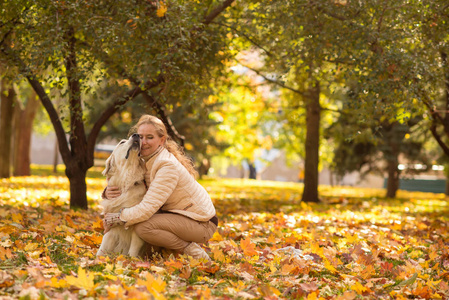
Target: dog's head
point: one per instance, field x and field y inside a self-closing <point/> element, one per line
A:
<point x="127" y="151"/>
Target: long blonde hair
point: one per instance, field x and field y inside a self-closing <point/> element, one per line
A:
<point x="172" y="147"/>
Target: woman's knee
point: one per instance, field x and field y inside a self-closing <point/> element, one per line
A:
<point x="142" y="230"/>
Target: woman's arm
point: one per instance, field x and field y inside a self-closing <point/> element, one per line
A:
<point x="161" y="187"/>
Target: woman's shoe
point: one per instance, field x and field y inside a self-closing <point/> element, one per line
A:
<point x="195" y="251"/>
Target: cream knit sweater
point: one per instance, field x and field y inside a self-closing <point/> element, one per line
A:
<point x="170" y="188"/>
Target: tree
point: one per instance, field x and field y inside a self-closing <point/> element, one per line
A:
<point x="403" y="68"/>
<point x="242" y="120"/>
<point x="23" y="126"/>
<point x="150" y="45"/>
<point x="377" y="149"/>
<point x="7" y="98"/>
<point x="430" y="77"/>
<point x="301" y="48"/>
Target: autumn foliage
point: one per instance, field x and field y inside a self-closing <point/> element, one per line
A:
<point x="353" y="245"/>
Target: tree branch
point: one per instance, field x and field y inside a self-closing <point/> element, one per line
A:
<point x="210" y="17"/>
<point x="160" y="109"/>
<point x="108" y="112"/>
<point x="437" y="137"/>
<point x="245" y="36"/>
<point x="273" y="81"/>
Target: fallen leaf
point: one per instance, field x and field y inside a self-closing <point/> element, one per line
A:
<point x="83" y="281"/>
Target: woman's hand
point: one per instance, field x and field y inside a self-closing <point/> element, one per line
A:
<point x="111" y="220"/>
<point x="112" y="192"/>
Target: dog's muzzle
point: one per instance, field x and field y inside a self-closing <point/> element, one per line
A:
<point x="135" y="144"/>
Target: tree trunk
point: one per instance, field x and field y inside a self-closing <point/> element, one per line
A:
<point x="7" y="95"/>
<point x="393" y="178"/>
<point x="55" y="158"/>
<point x="252" y="171"/>
<point x="23" y="127"/>
<point x="313" y="114"/>
<point x="76" y="173"/>
<point x="77" y="167"/>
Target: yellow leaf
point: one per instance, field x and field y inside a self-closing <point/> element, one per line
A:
<point x="305" y="206"/>
<point x="162" y="9"/>
<point x="433" y="254"/>
<point x="31" y="247"/>
<point x="115" y="292"/>
<point x="315" y="248"/>
<point x="218" y="254"/>
<point x="352" y="238"/>
<point x="359" y="288"/>
<point x="216" y="237"/>
<point x="17" y="218"/>
<point x="329" y="266"/>
<point x="83" y="281"/>
<point x="154" y="285"/>
<point x="312" y="296"/>
<point x="54" y="282"/>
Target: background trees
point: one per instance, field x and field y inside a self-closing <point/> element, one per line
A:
<point x="301" y="60"/>
<point x="65" y="49"/>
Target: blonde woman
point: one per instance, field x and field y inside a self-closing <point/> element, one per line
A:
<point x="176" y="213"/>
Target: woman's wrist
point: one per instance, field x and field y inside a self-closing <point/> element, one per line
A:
<point x="120" y="215"/>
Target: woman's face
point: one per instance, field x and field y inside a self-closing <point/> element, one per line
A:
<point x="149" y="138"/>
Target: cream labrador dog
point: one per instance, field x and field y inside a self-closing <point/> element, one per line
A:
<point x="124" y="169"/>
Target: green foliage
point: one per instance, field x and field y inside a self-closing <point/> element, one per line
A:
<point x="113" y="37"/>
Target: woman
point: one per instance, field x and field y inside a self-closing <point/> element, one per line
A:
<point x="176" y="213"/>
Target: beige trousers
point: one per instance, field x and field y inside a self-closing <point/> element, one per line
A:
<point x="174" y="231"/>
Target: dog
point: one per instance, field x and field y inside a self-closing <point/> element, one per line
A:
<point x="125" y="169"/>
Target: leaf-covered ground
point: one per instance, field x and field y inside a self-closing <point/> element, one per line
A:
<point x="269" y="245"/>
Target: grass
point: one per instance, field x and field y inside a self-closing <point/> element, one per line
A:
<point x="355" y="244"/>
<point x="48" y="170"/>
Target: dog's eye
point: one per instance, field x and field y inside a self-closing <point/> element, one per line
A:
<point x="122" y="142"/>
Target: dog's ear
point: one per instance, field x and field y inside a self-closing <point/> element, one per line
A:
<point x="110" y="166"/>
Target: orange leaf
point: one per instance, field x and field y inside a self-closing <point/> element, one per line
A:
<point x="5" y="253"/>
<point x="173" y="265"/>
<point x="271" y="239"/>
<point x="422" y="291"/>
<point x="248" y="247"/>
<point x="288" y="269"/>
<point x="92" y="241"/>
<point x="212" y="269"/>
<point x="162" y="9"/>
<point x="348" y="295"/>
<point x="98" y="225"/>
<point x="185" y="272"/>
